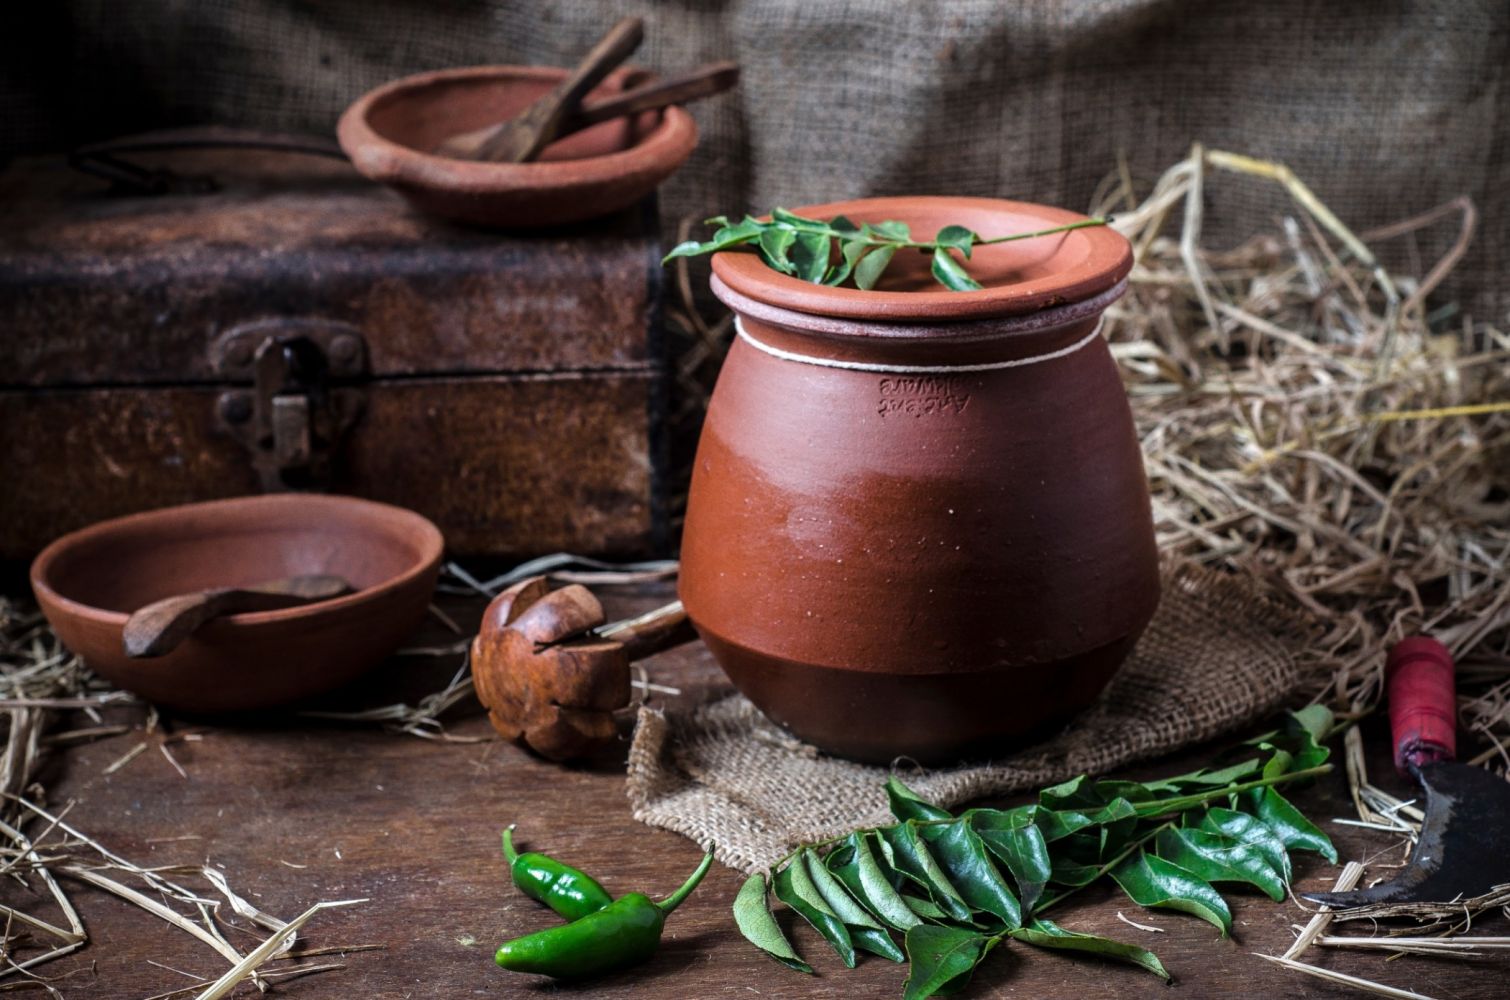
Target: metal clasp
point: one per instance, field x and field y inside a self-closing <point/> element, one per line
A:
<point x="293" y="416"/>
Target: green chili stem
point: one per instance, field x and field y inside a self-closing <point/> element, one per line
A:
<point x="509" y="854"/>
<point x="674" y="900"/>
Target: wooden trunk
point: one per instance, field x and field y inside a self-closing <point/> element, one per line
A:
<point x="299" y="327"/>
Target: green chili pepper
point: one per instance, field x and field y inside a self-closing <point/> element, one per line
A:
<point x="623" y="933"/>
<point x="571" y="893"/>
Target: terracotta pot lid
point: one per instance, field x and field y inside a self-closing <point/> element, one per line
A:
<point x="1019" y="277"/>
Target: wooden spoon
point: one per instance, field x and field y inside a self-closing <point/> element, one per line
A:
<point x="522" y="138"/>
<point x="159" y="628"/>
<point x="705" y="81"/>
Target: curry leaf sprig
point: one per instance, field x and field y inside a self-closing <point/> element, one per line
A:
<point x="837" y="250"/>
<point x="957" y="887"/>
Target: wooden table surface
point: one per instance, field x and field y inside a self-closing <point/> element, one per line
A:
<point x="296" y="811"/>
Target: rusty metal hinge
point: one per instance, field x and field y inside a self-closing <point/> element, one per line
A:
<point x="293" y="416"/>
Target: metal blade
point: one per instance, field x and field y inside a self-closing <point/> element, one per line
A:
<point x="1464" y="847"/>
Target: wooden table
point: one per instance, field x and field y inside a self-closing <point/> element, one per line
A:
<point x="297" y="811"/>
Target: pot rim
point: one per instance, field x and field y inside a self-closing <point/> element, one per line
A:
<point x="965" y="331"/>
<point x="1107" y="261"/>
<point x="426" y="535"/>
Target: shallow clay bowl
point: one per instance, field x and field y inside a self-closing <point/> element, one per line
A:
<point x="390" y="134"/>
<point x="88" y="582"/>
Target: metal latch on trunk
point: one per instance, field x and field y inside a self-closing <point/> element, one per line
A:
<point x="296" y="412"/>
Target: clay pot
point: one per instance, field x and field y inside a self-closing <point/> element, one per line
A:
<point x="918" y="522"/>
<point x="390" y="134"/>
<point x="89" y="581"/>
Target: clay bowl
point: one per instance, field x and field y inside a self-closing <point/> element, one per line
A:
<point x="89" y="581"/>
<point x="390" y="132"/>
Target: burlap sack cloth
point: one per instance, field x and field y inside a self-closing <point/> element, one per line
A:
<point x="1217" y="655"/>
<point x="1385" y="110"/>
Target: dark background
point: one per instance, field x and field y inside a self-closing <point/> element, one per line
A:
<point x="1385" y="108"/>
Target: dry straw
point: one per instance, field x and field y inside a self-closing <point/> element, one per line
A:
<point x="1306" y="420"/>
<point x="38" y="680"/>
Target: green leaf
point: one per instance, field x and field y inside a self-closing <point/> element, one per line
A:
<point x="892" y="230"/>
<point x="1300" y="738"/>
<point x="793" y="219"/>
<point x="1251" y="831"/>
<point x="1279" y="763"/>
<point x="925" y="908"/>
<point x="1073" y="873"/>
<point x="747" y="230"/>
<point x="1046" y="934"/>
<point x="877" y="942"/>
<point x="870" y="267"/>
<point x="753" y="918"/>
<point x="1053" y="824"/>
<point x="1218" y="858"/>
<point x="1080" y="808"/>
<point x="774" y="244"/>
<point x="1127" y="791"/>
<point x="1151" y="881"/>
<point x="1289" y="825"/>
<point x="690" y="248"/>
<point x="1078" y="793"/>
<point x="957" y="237"/>
<point x="1304" y="731"/>
<point x="864" y="931"/>
<point x="1315" y="720"/>
<point x="942" y="959"/>
<point x="907" y="804"/>
<point x="950" y="274"/>
<point x="1057" y="825"/>
<point x="795" y="888"/>
<point x="840" y="224"/>
<point x="1021" y="846"/>
<point x="863" y="877"/>
<point x="1118" y="813"/>
<point x="809" y="255"/>
<point x="1207" y="778"/>
<point x="839" y="901"/>
<point x="964" y="859"/>
<point x="849" y="252"/>
<point x="914" y="860"/>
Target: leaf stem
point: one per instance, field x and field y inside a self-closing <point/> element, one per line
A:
<point x="1122" y="856"/>
<point x="815" y="845"/>
<point x="1185" y="802"/>
<point x="872" y="238"/>
<point x="1081" y="224"/>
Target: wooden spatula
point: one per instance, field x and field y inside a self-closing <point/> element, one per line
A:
<point x="705" y="81"/>
<point x="523" y="137"/>
<point x="158" y="628"/>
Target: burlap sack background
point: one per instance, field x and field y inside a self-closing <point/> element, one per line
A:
<point x="1217" y="655"/>
<point x="1386" y="108"/>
